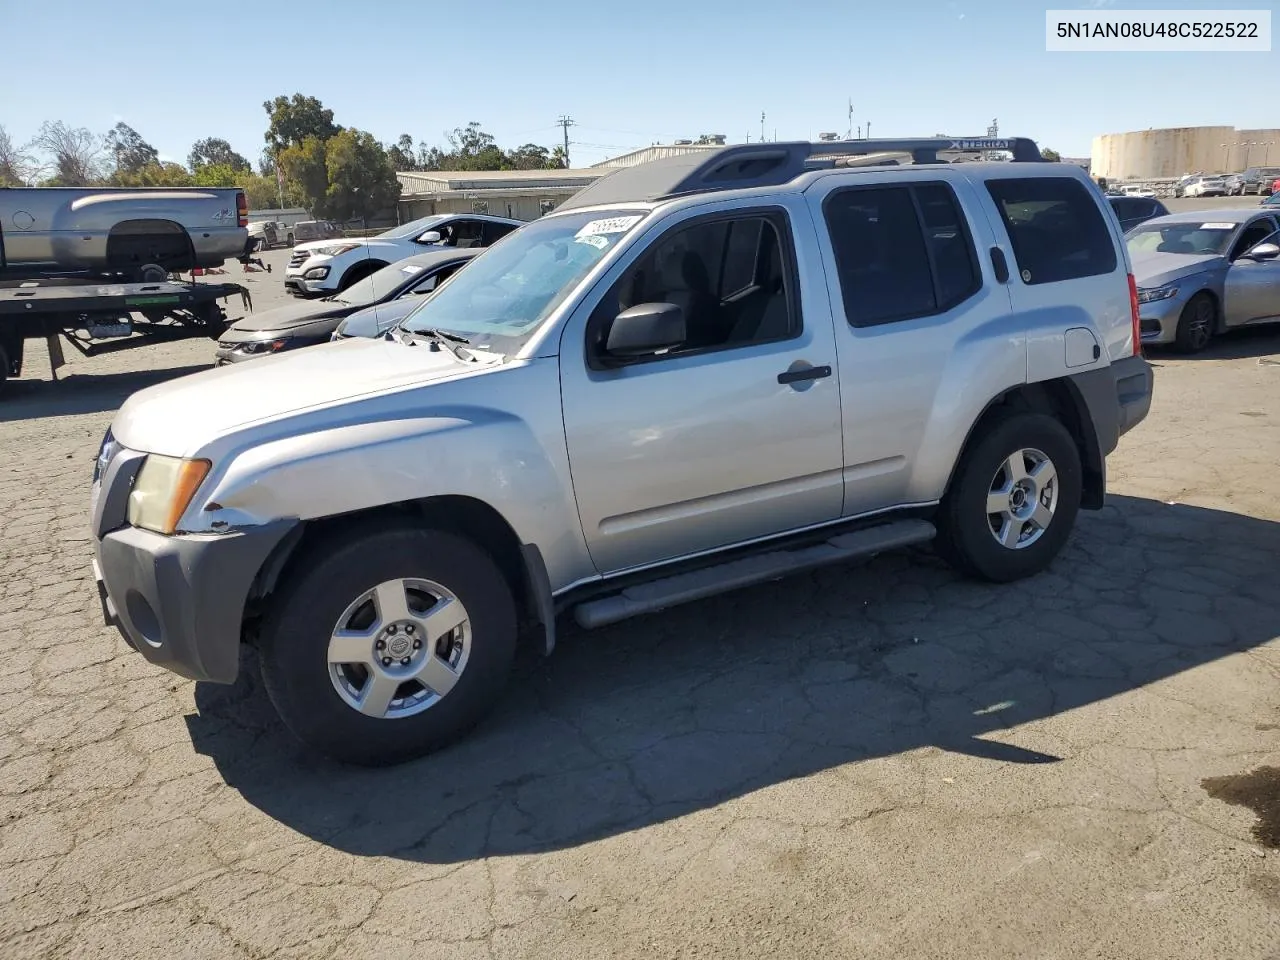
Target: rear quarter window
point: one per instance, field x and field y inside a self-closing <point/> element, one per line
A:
<point x="1057" y="231"/>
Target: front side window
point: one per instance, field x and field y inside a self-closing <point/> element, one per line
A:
<point x="1055" y="228"/>
<point x="507" y="292"/>
<point x="901" y="252"/>
<point x="731" y="277"/>
<point x="1251" y="236"/>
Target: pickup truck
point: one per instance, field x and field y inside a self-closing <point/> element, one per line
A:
<point x="699" y="374"/>
<point x="144" y="234"/>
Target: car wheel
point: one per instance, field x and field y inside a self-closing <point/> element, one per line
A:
<point x="4" y="368"/>
<point x="1195" y="324"/>
<point x="1013" y="500"/>
<point x="390" y="645"/>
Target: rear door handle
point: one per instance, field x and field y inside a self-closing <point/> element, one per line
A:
<point x="808" y="373"/>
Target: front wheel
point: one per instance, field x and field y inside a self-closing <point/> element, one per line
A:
<point x="390" y="645"/>
<point x="1195" y="324"/>
<point x="1013" y="499"/>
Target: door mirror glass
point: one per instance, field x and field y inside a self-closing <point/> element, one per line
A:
<point x="645" y="330"/>
<point x="1264" y="251"/>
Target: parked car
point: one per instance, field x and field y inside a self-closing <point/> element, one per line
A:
<point x="1137" y="190"/>
<point x="296" y="325"/>
<point x="1132" y="211"/>
<point x="1233" y="184"/>
<point x="1258" y="180"/>
<point x="376" y="320"/>
<point x="143" y="233"/>
<point x="1200" y="274"/>
<point x="688" y="378"/>
<point x="305" y="231"/>
<point x="319" y="268"/>
<point x="264" y="234"/>
<point x="1179" y="188"/>
<point x="1272" y="200"/>
<point x="1205" y="187"/>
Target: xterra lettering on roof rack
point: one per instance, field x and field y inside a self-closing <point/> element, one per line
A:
<point x="772" y="164"/>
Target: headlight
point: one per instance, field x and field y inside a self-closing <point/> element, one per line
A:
<point x="163" y="490"/>
<point x="336" y="249"/>
<point x="316" y="273"/>
<point x="1157" y="293"/>
<point x="264" y="346"/>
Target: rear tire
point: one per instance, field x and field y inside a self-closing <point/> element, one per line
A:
<point x="1196" y="324"/>
<point x="990" y="531"/>
<point x="314" y="688"/>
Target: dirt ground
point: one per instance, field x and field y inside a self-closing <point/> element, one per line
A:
<point x="876" y="761"/>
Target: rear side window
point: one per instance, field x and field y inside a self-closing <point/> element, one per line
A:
<point x="901" y="252"/>
<point x="1055" y="227"/>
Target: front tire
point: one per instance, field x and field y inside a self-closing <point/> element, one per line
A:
<point x="390" y="645"/>
<point x="1013" y="500"/>
<point x="1196" y="324"/>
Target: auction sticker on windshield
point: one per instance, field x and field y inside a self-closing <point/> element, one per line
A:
<point x="611" y="225"/>
<point x="1217" y="226"/>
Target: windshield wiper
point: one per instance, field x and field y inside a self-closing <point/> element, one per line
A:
<point x="438" y="339"/>
<point x="441" y="335"/>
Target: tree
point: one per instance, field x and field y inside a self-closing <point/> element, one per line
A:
<point x="16" y="165"/>
<point x="1051" y="155"/>
<point x="156" y="174"/>
<point x="293" y="120"/>
<point x="219" y="175"/>
<point x="559" y="159"/>
<point x="401" y="154"/>
<point x="305" y="171"/>
<point x="362" y="181"/>
<point x="74" y="151"/>
<point x="528" y="157"/>
<point x="470" y="148"/>
<point x="128" y="150"/>
<point x="215" y="152"/>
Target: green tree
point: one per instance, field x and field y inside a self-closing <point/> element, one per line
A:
<point x="154" y="175"/>
<point x="215" y="152"/>
<point x="1051" y="155"/>
<point x="559" y="159"/>
<point x="362" y="181"/>
<point x="470" y="148"/>
<point x="528" y="157"/>
<point x="401" y="154"/>
<point x="128" y="150"/>
<point x="294" y="119"/>
<point x="306" y="173"/>
<point x="219" y="175"/>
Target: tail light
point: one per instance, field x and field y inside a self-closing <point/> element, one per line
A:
<point x="242" y="209"/>
<point x="1137" y="322"/>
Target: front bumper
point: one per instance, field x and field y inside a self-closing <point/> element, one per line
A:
<point x="1158" y="320"/>
<point x="180" y="600"/>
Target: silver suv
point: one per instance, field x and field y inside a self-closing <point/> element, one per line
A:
<point x="698" y="374"/>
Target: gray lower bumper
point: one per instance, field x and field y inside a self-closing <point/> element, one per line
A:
<point x="1117" y="398"/>
<point x="180" y="600"/>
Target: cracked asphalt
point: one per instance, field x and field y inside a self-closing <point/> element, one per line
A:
<point x="872" y="761"/>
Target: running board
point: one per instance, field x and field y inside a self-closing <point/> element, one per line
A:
<point x="683" y="587"/>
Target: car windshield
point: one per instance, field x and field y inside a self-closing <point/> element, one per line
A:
<point x="412" y="228"/>
<point x="1194" y="238"/>
<point x="378" y="284"/>
<point x="505" y="293"/>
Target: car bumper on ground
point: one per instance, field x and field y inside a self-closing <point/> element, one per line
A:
<point x="180" y="600"/>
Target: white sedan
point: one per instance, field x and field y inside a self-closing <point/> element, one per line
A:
<point x="323" y="267"/>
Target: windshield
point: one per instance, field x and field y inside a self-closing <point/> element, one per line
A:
<point x="509" y="290"/>
<point x="378" y="284"/>
<point x="412" y="228"/>
<point x="1194" y="238"/>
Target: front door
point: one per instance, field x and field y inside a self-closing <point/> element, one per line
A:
<point x="1251" y="293"/>
<point x="730" y="437"/>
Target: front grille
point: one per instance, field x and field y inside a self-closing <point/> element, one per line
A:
<point x="298" y="259"/>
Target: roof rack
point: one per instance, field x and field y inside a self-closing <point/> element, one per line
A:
<point x="773" y="164"/>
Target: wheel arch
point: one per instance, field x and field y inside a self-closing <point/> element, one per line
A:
<point x="1062" y="400"/>
<point x="358" y="271"/>
<point x="521" y="564"/>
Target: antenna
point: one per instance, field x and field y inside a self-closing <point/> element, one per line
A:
<point x="566" y="122"/>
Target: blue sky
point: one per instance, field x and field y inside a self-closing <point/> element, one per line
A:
<point x="628" y="73"/>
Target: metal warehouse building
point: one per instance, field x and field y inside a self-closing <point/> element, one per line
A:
<point x="522" y="194"/>
<point x="1175" y="151"/>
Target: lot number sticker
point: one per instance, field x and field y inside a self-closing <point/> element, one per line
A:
<point x="612" y="225"/>
<point x="1217" y="226"/>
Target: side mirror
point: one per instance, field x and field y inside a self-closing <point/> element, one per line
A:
<point x="431" y="236"/>
<point x="1264" y="251"/>
<point x="645" y="330"/>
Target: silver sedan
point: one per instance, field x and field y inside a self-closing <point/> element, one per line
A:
<point x="1200" y="273"/>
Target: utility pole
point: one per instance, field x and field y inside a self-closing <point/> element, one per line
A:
<point x="849" y="135"/>
<point x="566" y="122"/>
<point x="868" y="129"/>
<point x="762" y="126"/>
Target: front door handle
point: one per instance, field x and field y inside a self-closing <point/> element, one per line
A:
<point x="806" y="373"/>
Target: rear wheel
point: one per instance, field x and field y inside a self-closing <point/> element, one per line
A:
<point x="1195" y="324"/>
<point x="1013" y="500"/>
<point x="389" y="645"/>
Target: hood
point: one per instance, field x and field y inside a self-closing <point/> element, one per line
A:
<point x="312" y="245"/>
<point x="290" y="315"/>
<point x="372" y="321"/>
<point x="177" y="417"/>
<point x="1157" y="269"/>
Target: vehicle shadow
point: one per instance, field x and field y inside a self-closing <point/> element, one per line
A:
<point x="1243" y="344"/>
<point x="675" y="713"/>
<point x="79" y="393"/>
